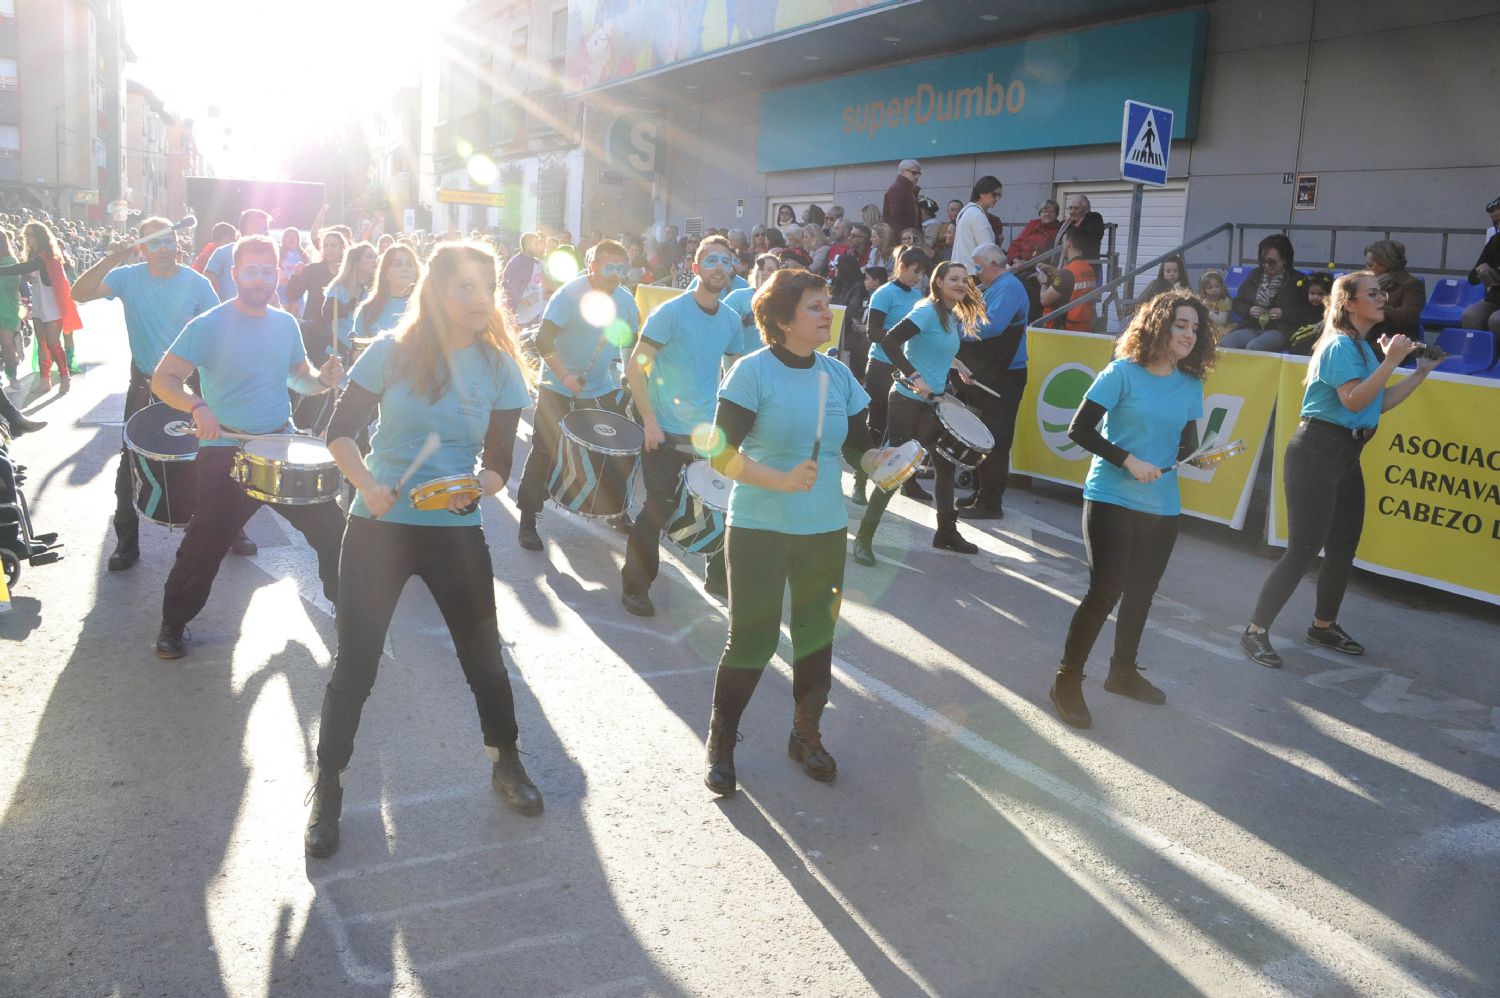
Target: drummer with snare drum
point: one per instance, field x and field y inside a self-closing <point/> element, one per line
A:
<point x="247" y="355"/>
<point x="589" y="322"/>
<point x="159" y="297"/>
<point x="673" y="375"/>
<point x="922" y="347"/>
<point x="449" y="391"/>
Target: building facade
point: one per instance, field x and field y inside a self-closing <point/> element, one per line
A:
<point x="146" y="126"/>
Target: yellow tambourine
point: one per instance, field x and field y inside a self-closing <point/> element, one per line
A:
<point x="438" y="493"/>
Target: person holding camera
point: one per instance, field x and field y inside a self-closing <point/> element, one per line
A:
<point x="1325" y="486"/>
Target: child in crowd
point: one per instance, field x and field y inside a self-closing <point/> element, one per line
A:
<point x="1319" y="284"/>
<point x="1213" y="292"/>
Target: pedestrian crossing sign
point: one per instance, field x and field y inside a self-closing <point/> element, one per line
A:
<point x="1145" y="144"/>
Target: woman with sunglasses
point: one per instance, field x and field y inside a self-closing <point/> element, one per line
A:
<point x="1325" y="486"/>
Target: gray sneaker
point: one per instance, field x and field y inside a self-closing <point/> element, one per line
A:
<point x="1258" y="647"/>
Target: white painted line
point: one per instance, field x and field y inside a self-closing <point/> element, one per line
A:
<point x="365" y="918"/>
<point x="1336" y="951"/>
<point x="664" y="673"/>
<point x="369" y="869"/>
<point x="632" y="985"/>
<point x="505" y="949"/>
<point x="430" y="797"/>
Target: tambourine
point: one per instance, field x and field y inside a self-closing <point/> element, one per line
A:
<point x="1211" y="457"/>
<point x="891" y="472"/>
<point x="438" y="493"/>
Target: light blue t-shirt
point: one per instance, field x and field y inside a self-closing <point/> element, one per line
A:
<point x="1344" y="360"/>
<point x="348" y="305"/>
<point x="243" y="363"/>
<point x="739" y="300"/>
<point x="1145" y="414"/>
<point x="785" y="402"/>
<point x="579" y="340"/>
<point x="482" y="380"/>
<point x="156" y="308"/>
<point x="932" y="350"/>
<point x="1005" y="304"/>
<point x="895" y="300"/>
<point x="221" y="266"/>
<point x="390" y="314"/>
<point x="690" y="349"/>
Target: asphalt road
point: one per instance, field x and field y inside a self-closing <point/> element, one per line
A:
<point x="1329" y="829"/>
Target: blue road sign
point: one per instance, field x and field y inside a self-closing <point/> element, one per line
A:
<point x="1145" y="144"/>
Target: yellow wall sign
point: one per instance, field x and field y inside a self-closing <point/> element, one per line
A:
<point x="1432" y="483"/>
<point x="482" y="198"/>
<point x="1237" y="402"/>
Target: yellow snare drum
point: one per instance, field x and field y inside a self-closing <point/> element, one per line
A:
<point x="1215" y="456"/>
<point x="437" y="493"/>
<point x="899" y="466"/>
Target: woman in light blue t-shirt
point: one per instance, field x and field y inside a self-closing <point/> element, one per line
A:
<point x="1325" y="486"/>
<point x="395" y="278"/>
<point x="452" y="376"/>
<point x="1138" y="419"/>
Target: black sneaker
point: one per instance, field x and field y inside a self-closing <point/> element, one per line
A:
<point x="171" y="642"/>
<point x="243" y="546"/>
<point x="1335" y="637"/>
<point x="1258" y="647"/>
<point x="974" y="511"/>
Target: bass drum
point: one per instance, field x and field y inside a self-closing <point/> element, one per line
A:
<point x="163" y="449"/>
<point x="598" y="454"/>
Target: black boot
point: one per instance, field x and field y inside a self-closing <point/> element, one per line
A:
<point x="912" y="489"/>
<point x="20" y="425"/>
<point x="321" y="839"/>
<point x="864" y="551"/>
<point x="805" y="746"/>
<point x="1127" y="681"/>
<point x="722" y="735"/>
<point x="1067" y="697"/>
<point x="860" y="479"/>
<point x="509" y="778"/>
<point x="127" y="546"/>
<point x="243" y="546"/>
<point x="527" y="535"/>
<point x="948" y="538"/>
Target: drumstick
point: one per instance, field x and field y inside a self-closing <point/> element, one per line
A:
<point x="822" y="402"/>
<point x="964" y="370"/>
<point x="177" y="226"/>
<point x="429" y="447"/>
<point x="227" y="435"/>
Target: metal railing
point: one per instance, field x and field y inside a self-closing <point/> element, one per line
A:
<point x="1112" y="285"/>
<point x="1441" y="235"/>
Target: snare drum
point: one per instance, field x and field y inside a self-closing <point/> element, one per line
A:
<point x="436" y="493"/>
<point x="891" y="472"/>
<point x="697" y="525"/>
<point x="1211" y="459"/>
<point x="287" y="469"/>
<point x="163" y="448"/>
<point x="598" y="454"/>
<point x="965" y="439"/>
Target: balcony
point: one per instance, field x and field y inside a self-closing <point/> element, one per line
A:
<point x="455" y="141"/>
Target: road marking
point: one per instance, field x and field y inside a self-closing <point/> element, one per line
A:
<point x="631" y="985"/>
<point x="366" y="869"/>
<point x="1476" y="840"/>
<point x="367" y="917"/>
<point x="663" y="673"/>
<point x="1391" y="696"/>
<point x="1487" y="742"/>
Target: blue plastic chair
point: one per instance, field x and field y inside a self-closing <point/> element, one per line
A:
<point x="1493" y="372"/>
<point x="1445" y="306"/>
<point x="1235" y="277"/>
<point x="1471" y="351"/>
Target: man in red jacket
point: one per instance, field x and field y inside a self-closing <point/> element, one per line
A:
<point x="901" y="211"/>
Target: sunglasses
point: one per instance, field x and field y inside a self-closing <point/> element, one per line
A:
<point x="161" y="244"/>
<point x="621" y="269"/>
<point x="716" y="261"/>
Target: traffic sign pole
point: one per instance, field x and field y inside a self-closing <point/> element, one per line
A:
<point x="1137" y="195"/>
<point x="1145" y="145"/>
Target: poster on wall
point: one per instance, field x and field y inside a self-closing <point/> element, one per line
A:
<point x="1307" y="192"/>
<point x="614" y="40"/>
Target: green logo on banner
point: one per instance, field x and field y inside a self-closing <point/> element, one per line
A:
<point x="1061" y="395"/>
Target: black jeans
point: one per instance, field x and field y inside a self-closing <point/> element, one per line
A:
<point x="661" y="470"/>
<point x="378" y="558"/>
<point x="222" y="509"/>
<point x="137" y="397"/>
<point x="1325" y="510"/>
<point x="546" y="430"/>
<point x="912" y="419"/>
<point x="1128" y="552"/>
<point x="878" y="376"/>
<point x="999" y="417"/>
<point x="762" y="563"/>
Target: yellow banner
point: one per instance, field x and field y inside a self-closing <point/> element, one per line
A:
<point x="1237" y="404"/>
<point x="482" y="198"/>
<point x="1432" y="483"/>
<point x="649" y="297"/>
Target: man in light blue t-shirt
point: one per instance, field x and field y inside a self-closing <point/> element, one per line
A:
<point x="997" y="360"/>
<point x="220" y="266"/>
<point x="160" y="296"/>
<point x="247" y="354"/>
<point x="587" y="324"/>
<point x="674" y="378"/>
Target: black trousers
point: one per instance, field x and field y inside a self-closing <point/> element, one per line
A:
<point x="1325" y="510"/>
<point x="911" y="419"/>
<point x="222" y="509"/>
<point x="999" y="417"/>
<point x="1128" y="552"/>
<point x="546" y="430"/>
<point x="762" y="565"/>
<point x="878" y="377"/>
<point x="137" y="397"/>
<point x="661" y="470"/>
<point x="377" y="560"/>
